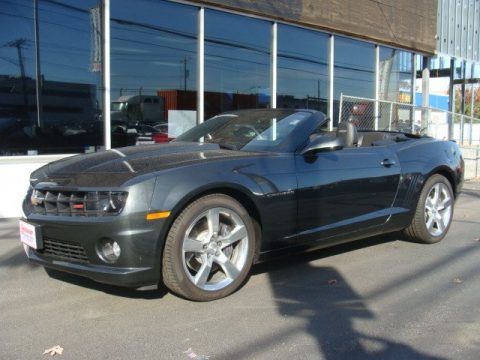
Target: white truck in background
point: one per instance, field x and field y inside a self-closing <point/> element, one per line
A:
<point x="138" y="109"/>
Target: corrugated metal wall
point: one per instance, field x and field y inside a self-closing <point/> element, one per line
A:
<point x="458" y="29"/>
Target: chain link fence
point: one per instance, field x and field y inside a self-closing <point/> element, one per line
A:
<point x="370" y="114"/>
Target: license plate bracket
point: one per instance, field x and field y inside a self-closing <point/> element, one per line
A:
<point x="31" y="234"/>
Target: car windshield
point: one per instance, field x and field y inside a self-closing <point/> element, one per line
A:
<point x="257" y="130"/>
<point x="118" y="106"/>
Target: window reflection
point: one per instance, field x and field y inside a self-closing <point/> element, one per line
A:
<point x="237" y="63"/>
<point x="17" y="82"/>
<point x="396" y="75"/>
<point x="153" y="80"/>
<point x="302" y="74"/>
<point x="68" y="85"/>
<point x="354" y="73"/>
<point x="395" y="85"/>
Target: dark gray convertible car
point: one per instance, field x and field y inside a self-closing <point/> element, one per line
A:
<point x="196" y="213"/>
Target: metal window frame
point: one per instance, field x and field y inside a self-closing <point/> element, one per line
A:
<point x="377" y="86"/>
<point x="201" y="65"/>
<point x="273" y="66"/>
<point x="331" y="78"/>
<point x="106" y="74"/>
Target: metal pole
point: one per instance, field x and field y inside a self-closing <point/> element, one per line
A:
<point x="331" y="58"/>
<point x="390" y="117"/>
<point x="462" y="105"/>
<point x="200" y="65"/>
<point x="462" y="123"/>
<point x="412" y="93"/>
<point x="470" y="135"/>
<point x="377" y="86"/>
<point x="185" y="74"/>
<point x="472" y="105"/>
<point x="340" y="108"/>
<point x="425" y="92"/>
<point x="273" y="65"/>
<point x="106" y="73"/>
<point x="39" y="82"/>
<point x="451" y="101"/>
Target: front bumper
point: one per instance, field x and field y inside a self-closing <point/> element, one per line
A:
<point x="128" y="277"/>
<point x="141" y="243"/>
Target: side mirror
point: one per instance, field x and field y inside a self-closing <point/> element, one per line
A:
<point x="323" y="144"/>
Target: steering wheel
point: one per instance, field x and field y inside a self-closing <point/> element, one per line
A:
<point x="251" y="128"/>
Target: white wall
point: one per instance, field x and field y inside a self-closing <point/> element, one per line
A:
<point x="14" y="178"/>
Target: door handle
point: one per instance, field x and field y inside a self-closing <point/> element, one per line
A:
<point x="388" y="162"/>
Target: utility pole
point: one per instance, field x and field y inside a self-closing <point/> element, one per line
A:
<point x="19" y="43"/>
<point x="318" y="95"/>
<point x="185" y="73"/>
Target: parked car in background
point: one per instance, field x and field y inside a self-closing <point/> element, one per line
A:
<point x="152" y="134"/>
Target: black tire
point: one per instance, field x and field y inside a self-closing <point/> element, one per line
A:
<point x="439" y="218"/>
<point x="181" y="267"/>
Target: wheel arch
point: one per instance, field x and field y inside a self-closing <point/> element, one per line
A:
<point x="237" y="193"/>
<point x="448" y="174"/>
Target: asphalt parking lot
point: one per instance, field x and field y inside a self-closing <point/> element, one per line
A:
<point x="377" y="298"/>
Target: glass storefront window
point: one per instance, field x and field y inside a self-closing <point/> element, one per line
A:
<point x="153" y="71"/>
<point x="17" y="77"/>
<point x="69" y="83"/>
<point x="237" y="62"/>
<point x="354" y="70"/>
<point x="395" y="75"/>
<point x="302" y="74"/>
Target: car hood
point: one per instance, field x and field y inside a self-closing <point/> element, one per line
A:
<point x="116" y="166"/>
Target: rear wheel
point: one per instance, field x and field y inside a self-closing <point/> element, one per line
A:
<point x="434" y="212"/>
<point x="209" y="249"/>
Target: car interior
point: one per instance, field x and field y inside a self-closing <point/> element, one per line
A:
<point x="352" y="137"/>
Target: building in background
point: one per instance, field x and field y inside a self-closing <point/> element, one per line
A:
<point x="65" y="63"/>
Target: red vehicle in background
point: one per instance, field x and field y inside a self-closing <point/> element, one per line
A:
<point x="148" y="134"/>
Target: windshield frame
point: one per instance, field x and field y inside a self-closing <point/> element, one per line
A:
<point x="292" y="139"/>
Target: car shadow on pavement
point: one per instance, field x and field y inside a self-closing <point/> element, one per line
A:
<point x="152" y="294"/>
<point x="328" y="306"/>
<point x="321" y="296"/>
<point x="15" y="258"/>
<point x="467" y="192"/>
<point x="303" y="257"/>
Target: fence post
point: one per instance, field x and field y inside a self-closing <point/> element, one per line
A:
<point x="470" y="135"/>
<point x="340" y="109"/>
<point x="462" y="124"/>
<point x="390" y="117"/>
<point x="429" y="119"/>
<point x="477" y="159"/>
<point x="412" y="119"/>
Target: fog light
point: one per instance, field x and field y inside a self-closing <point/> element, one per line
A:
<point x="109" y="250"/>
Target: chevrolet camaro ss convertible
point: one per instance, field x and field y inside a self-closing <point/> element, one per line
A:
<point x="196" y="213"/>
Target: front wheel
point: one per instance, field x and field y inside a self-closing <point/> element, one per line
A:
<point x="209" y="249"/>
<point x="434" y="211"/>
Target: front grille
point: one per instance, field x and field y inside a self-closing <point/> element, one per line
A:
<point x="64" y="250"/>
<point x="77" y="203"/>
